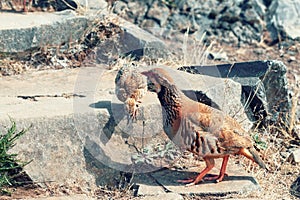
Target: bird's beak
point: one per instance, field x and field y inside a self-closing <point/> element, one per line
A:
<point x="146" y="73"/>
<point x="152" y="85"/>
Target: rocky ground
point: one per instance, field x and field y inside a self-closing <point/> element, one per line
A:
<point x="283" y="170"/>
<point x="275" y="184"/>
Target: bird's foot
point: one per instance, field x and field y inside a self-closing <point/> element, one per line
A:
<point x="195" y="181"/>
<point x="217" y="178"/>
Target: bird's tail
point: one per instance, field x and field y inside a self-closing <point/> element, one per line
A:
<point x="252" y="155"/>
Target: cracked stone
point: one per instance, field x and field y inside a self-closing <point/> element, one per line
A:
<point x="238" y="181"/>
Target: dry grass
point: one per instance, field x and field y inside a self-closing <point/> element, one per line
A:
<point x="275" y="184"/>
<point x="279" y="139"/>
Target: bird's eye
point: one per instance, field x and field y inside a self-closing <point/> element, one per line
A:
<point x="151" y="87"/>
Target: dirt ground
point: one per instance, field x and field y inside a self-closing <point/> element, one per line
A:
<point x="275" y="184"/>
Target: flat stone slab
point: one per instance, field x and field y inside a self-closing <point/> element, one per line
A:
<point x="69" y="110"/>
<point x="20" y="32"/>
<point x="264" y="87"/>
<point x="238" y="181"/>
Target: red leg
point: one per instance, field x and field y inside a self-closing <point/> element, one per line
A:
<point x="220" y="177"/>
<point x="29" y="5"/>
<point x="24" y="6"/>
<point x="223" y="169"/>
<point x="210" y="163"/>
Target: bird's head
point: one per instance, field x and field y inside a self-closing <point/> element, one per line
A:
<point x="158" y="77"/>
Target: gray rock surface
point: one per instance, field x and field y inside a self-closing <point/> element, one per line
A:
<point x="220" y="19"/>
<point x="295" y="188"/>
<point x="237" y="181"/>
<point x="131" y="41"/>
<point x="80" y="132"/>
<point x="19" y="33"/>
<point x="233" y="21"/>
<point x="157" y="184"/>
<point x="92" y="4"/>
<point x="264" y="85"/>
<point x="23" y="33"/>
<point x="230" y="21"/>
<point x="277" y="93"/>
<point x="295" y="156"/>
<point x="284" y="17"/>
<point x="159" y="12"/>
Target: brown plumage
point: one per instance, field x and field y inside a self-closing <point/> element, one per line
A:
<point x="13" y="4"/>
<point x="131" y="86"/>
<point x="201" y="129"/>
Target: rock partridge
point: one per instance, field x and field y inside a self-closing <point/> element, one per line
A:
<point x="200" y="129"/>
<point x="131" y="86"/>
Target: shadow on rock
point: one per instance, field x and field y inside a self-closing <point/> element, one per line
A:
<point x="116" y="114"/>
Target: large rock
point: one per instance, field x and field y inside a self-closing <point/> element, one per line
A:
<point x="232" y="21"/>
<point x="238" y="181"/>
<point x="295" y="188"/>
<point x="264" y="87"/>
<point x="54" y="149"/>
<point x="19" y="32"/>
<point x="80" y="131"/>
<point x="166" y="180"/>
<point x="22" y="33"/>
<point x="283" y="17"/>
<point x="229" y="20"/>
<point x="132" y="41"/>
<point x="223" y="94"/>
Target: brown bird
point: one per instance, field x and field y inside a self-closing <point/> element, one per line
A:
<point x="131" y="86"/>
<point x="200" y="129"/>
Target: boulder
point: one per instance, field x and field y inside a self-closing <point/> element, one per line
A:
<point x="295" y="188"/>
<point x="231" y="20"/>
<point x="20" y="33"/>
<point x="264" y="87"/>
<point x="295" y="156"/>
<point x="131" y="41"/>
<point x="238" y="21"/>
<point x="24" y="33"/>
<point x="84" y="136"/>
<point x="283" y="19"/>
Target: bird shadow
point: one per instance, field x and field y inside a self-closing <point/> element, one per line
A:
<point x="168" y="177"/>
<point x="116" y="114"/>
<point x="201" y="97"/>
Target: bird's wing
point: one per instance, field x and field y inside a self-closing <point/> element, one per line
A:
<point x="221" y="133"/>
<point x="194" y="138"/>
